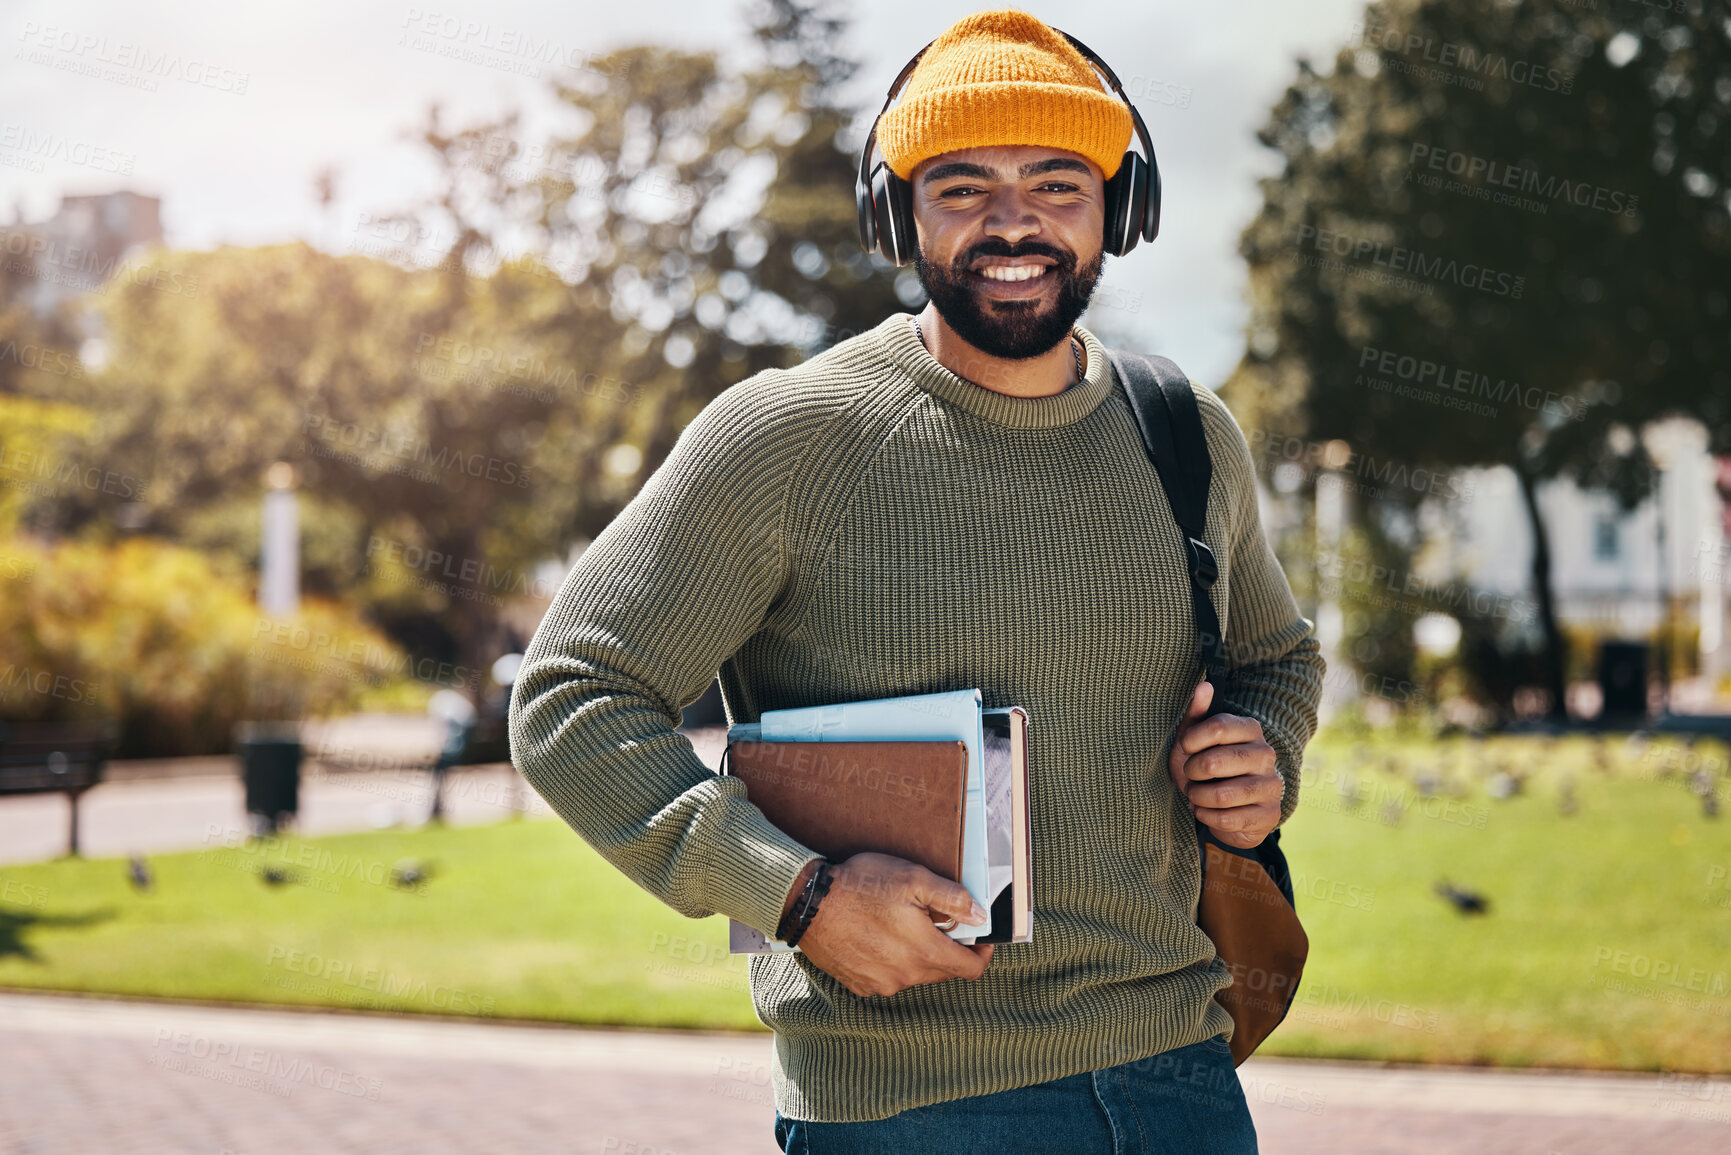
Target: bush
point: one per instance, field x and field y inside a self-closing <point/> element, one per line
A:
<point x="171" y="643"/>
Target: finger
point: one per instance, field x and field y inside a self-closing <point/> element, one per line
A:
<point x="1201" y="698"/>
<point x="1247" y="820"/>
<point x="1242" y="840"/>
<point x="946" y="899"/>
<point x="1231" y="761"/>
<point x="1220" y="730"/>
<point x="1230" y="793"/>
<point x="957" y="960"/>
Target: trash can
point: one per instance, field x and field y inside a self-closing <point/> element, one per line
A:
<point x="270" y="768"/>
<point x="1623" y="682"/>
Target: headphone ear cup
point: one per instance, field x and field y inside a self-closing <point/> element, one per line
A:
<point x="867" y="212"/>
<point x="1124" y="202"/>
<point x="893" y="201"/>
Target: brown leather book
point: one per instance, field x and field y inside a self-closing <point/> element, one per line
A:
<point x="842" y="798"/>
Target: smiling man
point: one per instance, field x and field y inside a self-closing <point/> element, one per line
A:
<point x="951" y="501"/>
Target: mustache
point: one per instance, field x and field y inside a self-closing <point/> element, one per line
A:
<point x="1063" y="260"/>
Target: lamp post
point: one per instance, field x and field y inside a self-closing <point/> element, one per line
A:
<point x="269" y="747"/>
<point x="1331" y="512"/>
<point x="279" y="544"/>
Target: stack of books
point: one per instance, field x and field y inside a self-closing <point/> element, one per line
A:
<point x="932" y="778"/>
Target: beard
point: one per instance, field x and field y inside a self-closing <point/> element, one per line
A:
<point x="1013" y="330"/>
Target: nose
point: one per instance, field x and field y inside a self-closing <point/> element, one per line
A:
<point x="1011" y="217"/>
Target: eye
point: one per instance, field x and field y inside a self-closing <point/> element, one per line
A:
<point x="1061" y="186"/>
<point x="959" y="189"/>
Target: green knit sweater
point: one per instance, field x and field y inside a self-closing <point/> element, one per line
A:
<point x="868" y="525"/>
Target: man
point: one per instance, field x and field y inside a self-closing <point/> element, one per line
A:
<point x="951" y="501"/>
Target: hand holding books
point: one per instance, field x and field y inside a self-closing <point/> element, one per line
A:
<point x="934" y="779"/>
<point x="875" y="932"/>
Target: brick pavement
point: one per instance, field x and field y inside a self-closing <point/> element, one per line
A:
<point x="81" y="1076"/>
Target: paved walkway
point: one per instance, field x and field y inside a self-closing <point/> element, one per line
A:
<point x="81" y="1076"/>
<point x="373" y="777"/>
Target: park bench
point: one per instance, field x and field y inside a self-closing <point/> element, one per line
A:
<point x="55" y="758"/>
<point x="477" y="740"/>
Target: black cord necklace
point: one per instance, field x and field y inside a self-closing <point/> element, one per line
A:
<point x="1075" y="348"/>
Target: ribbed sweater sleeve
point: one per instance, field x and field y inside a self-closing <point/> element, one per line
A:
<point x="664" y="595"/>
<point x="1272" y="652"/>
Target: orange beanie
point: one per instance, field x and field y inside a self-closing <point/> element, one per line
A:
<point x="1003" y="77"/>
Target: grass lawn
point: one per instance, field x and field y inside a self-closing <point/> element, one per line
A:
<point x="1607" y="942"/>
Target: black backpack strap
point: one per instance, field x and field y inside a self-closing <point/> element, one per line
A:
<point x="1165" y="409"/>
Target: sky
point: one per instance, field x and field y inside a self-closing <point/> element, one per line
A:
<point x="228" y="111"/>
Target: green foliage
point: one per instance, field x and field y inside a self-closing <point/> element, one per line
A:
<point x="1529" y="200"/>
<point x="169" y="641"/>
<point x="497" y="374"/>
<point x="1636" y="297"/>
<point x="40" y="443"/>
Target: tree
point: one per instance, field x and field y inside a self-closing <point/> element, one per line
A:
<point x="707" y="217"/>
<point x="415" y="408"/>
<point x="551" y="318"/>
<point x="1501" y="235"/>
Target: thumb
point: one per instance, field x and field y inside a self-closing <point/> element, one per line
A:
<point x="948" y="899"/>
<point x="1200" y="701"/>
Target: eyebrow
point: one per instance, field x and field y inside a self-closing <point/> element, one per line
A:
<point x="956" y="168"/>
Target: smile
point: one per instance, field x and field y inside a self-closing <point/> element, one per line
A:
<point x="1013" y="272"/>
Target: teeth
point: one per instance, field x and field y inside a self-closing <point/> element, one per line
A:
<point x="1012" y="272"/>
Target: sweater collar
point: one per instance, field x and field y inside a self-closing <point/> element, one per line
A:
<point x="902" y="342"/>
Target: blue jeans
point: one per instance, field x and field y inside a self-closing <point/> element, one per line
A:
<point x="1185" y="1100"/>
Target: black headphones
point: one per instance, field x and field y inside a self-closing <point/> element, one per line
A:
<point x="886" y="202"/>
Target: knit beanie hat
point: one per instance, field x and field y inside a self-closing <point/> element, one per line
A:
<point x="998" y="78"/>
